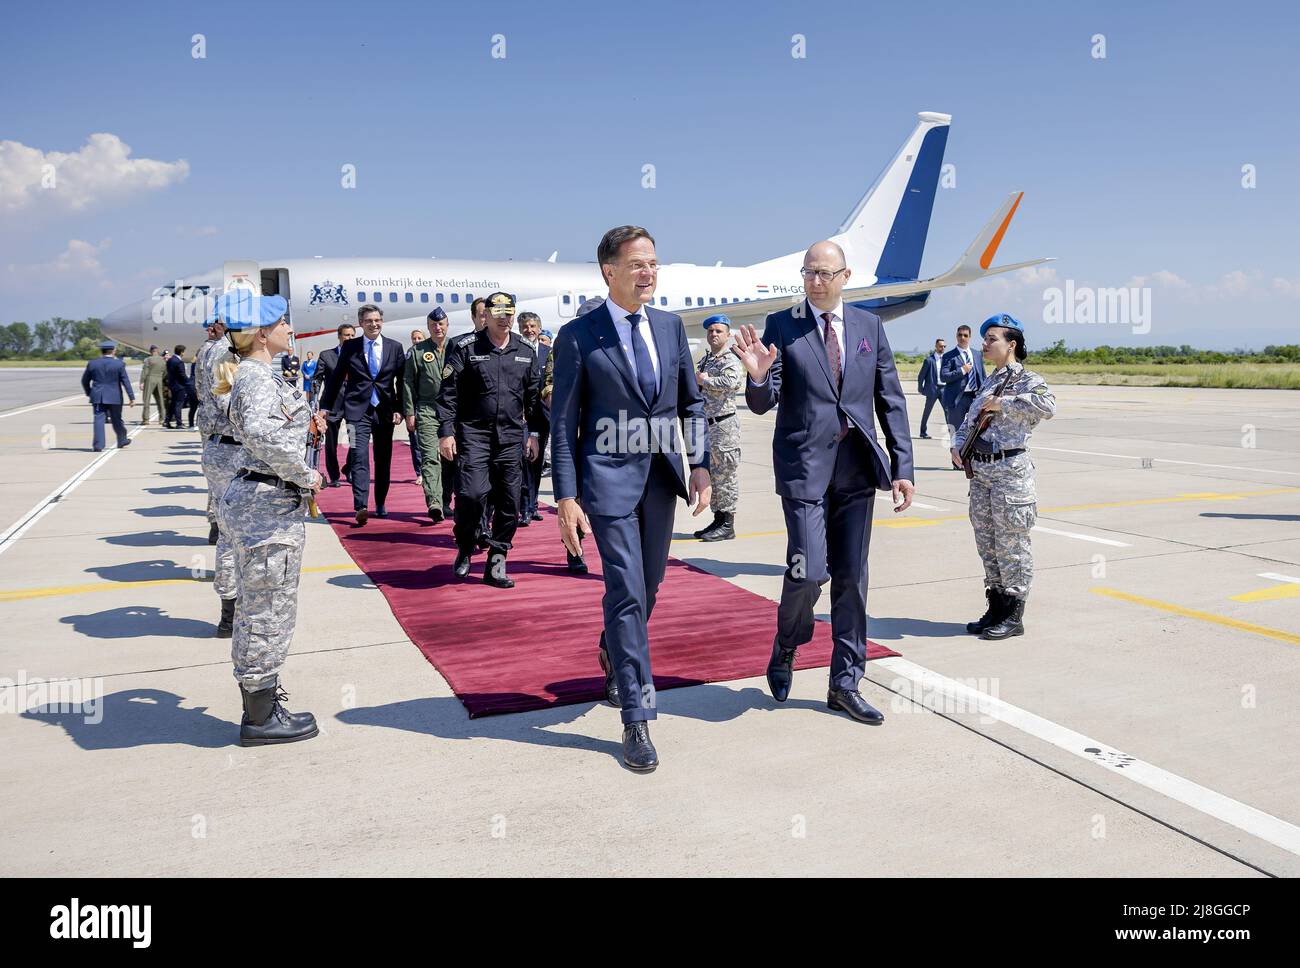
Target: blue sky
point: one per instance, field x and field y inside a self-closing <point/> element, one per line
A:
<point x="1131" y="164"/>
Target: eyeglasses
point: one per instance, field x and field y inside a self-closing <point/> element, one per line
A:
<point x="825" y="275"/>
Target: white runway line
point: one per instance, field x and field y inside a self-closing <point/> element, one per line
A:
<point x="1274" y="576"/>
<point x="51" y="501"/>
<point x="1168" y="460"/>
<point x="1255" y="822"/>
<point x="1084" y="537"/>
<point x="47" y="403"/>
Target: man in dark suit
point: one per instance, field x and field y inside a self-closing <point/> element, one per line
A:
<point x="825" y="367"/>
<point x="326" y="364"/>
<point x="176" y="380"/>
<point x="962" y="373"/>
<point x="530" y="328"/>
<point x="623" y="378"/>
<point x="103" y="381"/>
<point x="366" y="374"/>
<point x="928" y="383"/>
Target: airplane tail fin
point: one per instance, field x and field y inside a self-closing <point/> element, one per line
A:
<point x="884" y="235"/>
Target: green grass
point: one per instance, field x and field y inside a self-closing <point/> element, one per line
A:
<point x="1249" y="376"/>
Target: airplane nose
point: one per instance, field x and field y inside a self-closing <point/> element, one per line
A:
<point x="126" y="325"/>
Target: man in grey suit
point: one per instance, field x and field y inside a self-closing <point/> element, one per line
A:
<point x="825" y="367"/>
<point x="104" y="380"/>
<point x="623" y="378"/>
<point x="962" y="373"/>
<point x="928" y="384"/>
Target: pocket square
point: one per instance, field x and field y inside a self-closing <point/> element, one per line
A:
<point x="864" y="346"/>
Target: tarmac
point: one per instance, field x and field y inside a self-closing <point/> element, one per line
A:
<point x="1146" y="724"/>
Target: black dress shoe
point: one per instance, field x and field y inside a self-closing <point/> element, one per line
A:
<point x="494" y="573"/>
<point x="535" y="516"/>
<point x="212" y="533"/>
<point x="612" y="695"/>
<point x="638" y="752"/>
<point x="481" y="542"/>
<point x="577" y="564"/>
<point x="362" y="516"/>
<point x="381" y="512"/>
<point x="780" y="672"/>
<point x="436" y="515"/>
<point x="524" y="521"/>
<point x="847" y="701"/>
<point x="125" y="443"/>
<point x="461" y="568"/>
<point x="333" y="483"/>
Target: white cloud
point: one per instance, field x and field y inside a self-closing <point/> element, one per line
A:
<point x="101" y="170"/>
<point x="79" y="263"/>
<point x="1162" y="277"/>
<point x="1286" y="287"/>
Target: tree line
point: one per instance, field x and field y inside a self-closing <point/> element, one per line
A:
<point x="52" y="339"/>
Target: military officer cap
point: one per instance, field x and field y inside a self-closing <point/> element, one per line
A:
<point x="501" y="304"/>
<point x="1002" y="319"/>
<point x="437" y="315"/>
<point x="107" y="344"/>
<point x="722" y="318"/>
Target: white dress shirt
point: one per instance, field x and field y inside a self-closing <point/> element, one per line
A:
<point x="619" y="315"/>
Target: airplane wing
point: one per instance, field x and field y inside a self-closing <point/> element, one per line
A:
<point x="976" y="263"/>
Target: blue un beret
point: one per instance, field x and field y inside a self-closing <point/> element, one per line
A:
<point x="1002" y="319"/>
<point x="244" y="309"/>
<point x="718" y="318"/>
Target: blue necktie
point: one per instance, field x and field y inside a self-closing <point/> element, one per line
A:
<point x="374" y="371"/>
<point x="645" y="371"/>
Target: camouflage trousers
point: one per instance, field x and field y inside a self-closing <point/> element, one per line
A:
<point x="1003" y="509"/>
<point x="265" y="524"/>
<point x="220" y="462"/>
<point x="724" y="465"/>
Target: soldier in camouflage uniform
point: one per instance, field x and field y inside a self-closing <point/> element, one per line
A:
<point x="262" y="512"/>
<point x="221" y="457"/>
<point x="1003" y="503"/>
<point x="720" y="376"/>
<point x="421" y="380"/>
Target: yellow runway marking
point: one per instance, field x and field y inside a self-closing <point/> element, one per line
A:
<point x="1231" y="623"/>
<point x="23" y="594"/>
<point x="1270" y="594"/>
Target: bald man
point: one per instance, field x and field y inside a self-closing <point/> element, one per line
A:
<point x="826" y="367"/>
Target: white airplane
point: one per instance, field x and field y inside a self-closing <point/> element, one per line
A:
<point x="883" y="239"/>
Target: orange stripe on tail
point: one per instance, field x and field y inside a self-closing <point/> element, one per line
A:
<point x="986" y="259"/>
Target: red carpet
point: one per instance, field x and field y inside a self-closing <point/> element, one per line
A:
<point x="534" y="645"/>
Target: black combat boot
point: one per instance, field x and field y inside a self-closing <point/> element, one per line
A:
<point x="717" y="520"/>
<point x="995" y="613"/>
<point x="226" y="627"/>
<point x="1012" y="623"/>
<point x="724" y="531"/>
<point x="495" y="572"/>
<point x="212" y="533"/>
<point x="266" y="722"/>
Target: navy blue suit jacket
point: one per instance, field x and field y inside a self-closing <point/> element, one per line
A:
<point x="351" y="375"/>
<point x="807" y="403"/>
<point x="928" y="382"/>
<point x="104" y="380"/>
<point x="954" y="379"/>
<point x="596" y="407"/>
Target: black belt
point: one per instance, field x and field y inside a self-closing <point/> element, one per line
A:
<point x="996" y="455"/>
<point x="222" y="438"/>
<point x="725" y="416"/>
<point x="271" y="479"/>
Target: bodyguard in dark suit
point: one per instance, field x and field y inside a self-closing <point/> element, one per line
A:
<point x="326" y="364"/>
<point x="962" y="373"/>
<point x="103" y="381"/>
<point x="623" y="378"/>
<point x="176" y="381"/>
<point x="929" y="384"/>
<point x="826" y="367"/>
<point x="367" y="374"/>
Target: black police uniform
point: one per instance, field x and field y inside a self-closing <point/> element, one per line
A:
<point x="490" y="396"/>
